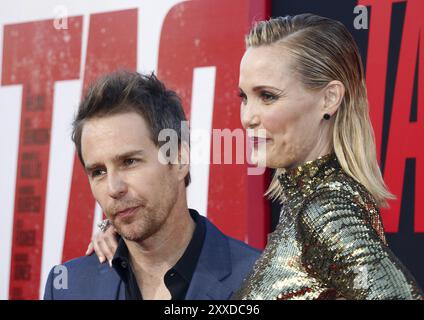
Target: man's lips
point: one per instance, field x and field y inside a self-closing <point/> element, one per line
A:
<point x="126" y="212"/>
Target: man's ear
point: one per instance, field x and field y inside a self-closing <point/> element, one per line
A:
<point x="333" y="97"/>
<point x="183" y="160"/>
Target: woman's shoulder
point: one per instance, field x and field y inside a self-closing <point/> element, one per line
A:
<point x="341" y="199"/>
<point x="341" y="186"/>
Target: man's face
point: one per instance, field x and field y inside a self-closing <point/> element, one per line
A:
<point x="135" y="191"/>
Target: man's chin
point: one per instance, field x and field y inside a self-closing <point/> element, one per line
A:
<point x="136" y="230"/>
<point x="131" y="232"/>
<point x="133" y="238"/>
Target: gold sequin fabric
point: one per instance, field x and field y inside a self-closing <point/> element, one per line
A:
<point x="329" y="243"/>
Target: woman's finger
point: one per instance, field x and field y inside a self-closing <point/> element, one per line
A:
<point x="90" y="249"/>
<point x="104" y="247"/>
<point x="112" y="245"/>
<point x="98" y="249"/>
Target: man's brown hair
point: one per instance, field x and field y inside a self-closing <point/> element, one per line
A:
<point x="125" y="91"/>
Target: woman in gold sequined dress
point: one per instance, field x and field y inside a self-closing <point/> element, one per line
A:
<point x="304" y="104"/>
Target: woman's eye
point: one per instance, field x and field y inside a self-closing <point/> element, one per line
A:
<point x="243" y="97"/>
<point x="268" y="97"/>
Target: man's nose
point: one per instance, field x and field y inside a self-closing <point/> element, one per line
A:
<point x="117" y="187"/>
<point x="250" y="116"/>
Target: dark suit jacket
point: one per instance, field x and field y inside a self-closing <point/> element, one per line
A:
<point x="223" y="264"/>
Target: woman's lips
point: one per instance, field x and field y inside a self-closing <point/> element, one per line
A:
<point x="255" y="141"/>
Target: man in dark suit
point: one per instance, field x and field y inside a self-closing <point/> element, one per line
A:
<point x="129" y="137"/>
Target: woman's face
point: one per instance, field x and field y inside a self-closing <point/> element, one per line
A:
<point x="285" y="119"/>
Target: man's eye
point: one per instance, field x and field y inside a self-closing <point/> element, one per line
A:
<point x="97" y="172"/>
<point x="129" y="162"/>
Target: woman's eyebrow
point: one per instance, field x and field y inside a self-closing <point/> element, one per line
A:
<point x="265" y="87"/>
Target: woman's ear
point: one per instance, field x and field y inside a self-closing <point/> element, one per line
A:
<point x="333" y="97"/>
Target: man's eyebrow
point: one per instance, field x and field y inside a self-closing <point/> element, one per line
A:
<point x="129" y="154"/>
<point x="119" y="157"/>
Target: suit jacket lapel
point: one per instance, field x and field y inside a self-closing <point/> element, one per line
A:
<point x="110" y="286"/>
<point x="213" y="266"/>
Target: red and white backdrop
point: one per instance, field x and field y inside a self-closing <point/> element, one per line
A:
<point x="46" y="209"/>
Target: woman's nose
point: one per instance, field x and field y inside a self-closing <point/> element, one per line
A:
<point x="249" y="116"/>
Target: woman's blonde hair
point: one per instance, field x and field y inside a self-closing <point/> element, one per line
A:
<point x="323" y="50"/>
